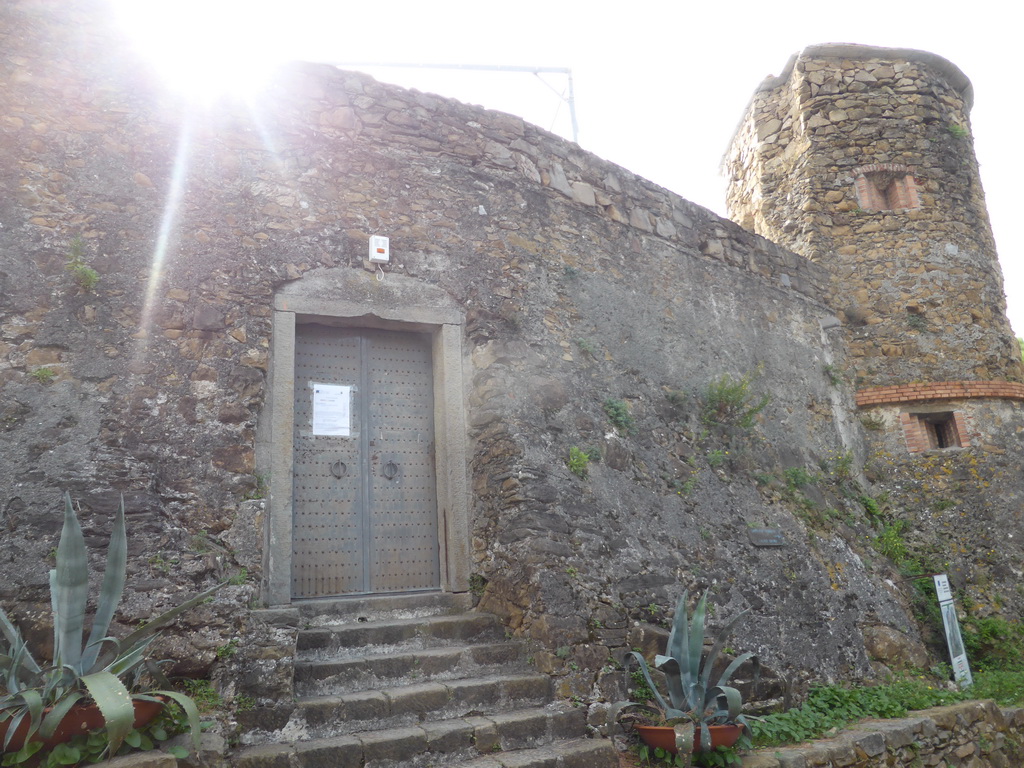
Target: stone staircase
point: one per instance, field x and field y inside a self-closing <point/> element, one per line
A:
<point x="417" y="680"/>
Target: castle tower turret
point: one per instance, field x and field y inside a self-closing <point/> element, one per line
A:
<point x="861" y="159"/>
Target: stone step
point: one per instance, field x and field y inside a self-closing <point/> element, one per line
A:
<point x="541" y="736"/>
<point x="570" y="753"/>
<point x="413" y="680"/>
<point x="352" y="640"/>
<point x="370" y="608"/>
<point x="364" y="608"/>
<point x="371" y="672"/>
<point x="393" y="708"/>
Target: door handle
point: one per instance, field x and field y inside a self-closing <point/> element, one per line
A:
<point x="389" y="470"/>
<point x="339" y="469"/>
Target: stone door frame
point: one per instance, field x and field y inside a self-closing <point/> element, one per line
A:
<point x="446" y="328"/>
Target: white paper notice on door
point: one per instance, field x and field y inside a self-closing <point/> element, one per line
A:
<point x="332" y="409"/>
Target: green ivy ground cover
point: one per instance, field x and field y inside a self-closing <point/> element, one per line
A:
<point x="829" y="709"/>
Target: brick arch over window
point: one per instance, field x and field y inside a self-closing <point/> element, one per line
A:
<point x="885" y="187"/>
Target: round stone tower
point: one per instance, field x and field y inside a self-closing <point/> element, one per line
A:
<point x="861" y="159"/>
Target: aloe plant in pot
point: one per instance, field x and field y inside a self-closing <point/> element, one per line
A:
<point x="99" y="676"/>
<point x="694" y="708"/>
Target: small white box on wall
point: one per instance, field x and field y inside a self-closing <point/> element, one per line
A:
<point x="380" y="249"/>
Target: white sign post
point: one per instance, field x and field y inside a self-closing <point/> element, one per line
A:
<point x="955" y="643"/>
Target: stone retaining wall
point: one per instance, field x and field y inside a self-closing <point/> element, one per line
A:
<point x="973" y="734"/>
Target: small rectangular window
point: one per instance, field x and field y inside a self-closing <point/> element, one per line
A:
<point x="886" y="187"/>
<point x="942" y="431"/>
<point x="934" y="431"/>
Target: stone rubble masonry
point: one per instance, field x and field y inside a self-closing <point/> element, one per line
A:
<point x="816" y="164"/>
<point x="871" y="197"/>
<point x="943" y="390"/>
<point x="973" y="734"/>
<point x="577" y="281"/>
<point x="915" y="277"/>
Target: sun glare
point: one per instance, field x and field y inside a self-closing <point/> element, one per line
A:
<point x="205" y="49"/>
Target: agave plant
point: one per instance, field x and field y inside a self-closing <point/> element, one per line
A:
<point x="693" y="700"/>
<point x="103" y="669"/>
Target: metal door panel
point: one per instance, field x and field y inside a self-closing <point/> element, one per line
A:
<point x="404" y="551"/>
<point x="365" y="505"/>
<point x="328" y="528"/>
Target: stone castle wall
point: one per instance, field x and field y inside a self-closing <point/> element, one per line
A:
<point x="915" y="273"/>
<point x="960" y="507"/>
<point x="579" y="283"/>
<point x="860" y="159"/>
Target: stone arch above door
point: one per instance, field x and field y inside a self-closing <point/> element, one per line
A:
<point x="354" y="299"/>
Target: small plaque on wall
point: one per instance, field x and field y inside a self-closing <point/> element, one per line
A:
<point x="767" y="537"/>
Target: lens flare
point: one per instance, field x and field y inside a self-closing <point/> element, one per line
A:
<point x="205" y="49"/>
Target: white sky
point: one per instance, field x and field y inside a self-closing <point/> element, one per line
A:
<point x="659" y="85"/>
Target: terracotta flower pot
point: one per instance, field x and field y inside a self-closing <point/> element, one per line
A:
<point x="665" y="736"/>
<point x="79" y="719"/>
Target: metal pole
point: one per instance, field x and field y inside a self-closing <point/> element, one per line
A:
<point x="572" y="108"/>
